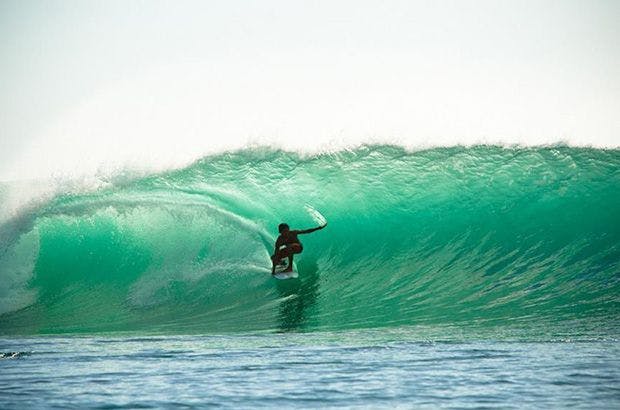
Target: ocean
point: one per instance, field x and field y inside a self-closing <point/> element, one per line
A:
<point x="451" y="277"/>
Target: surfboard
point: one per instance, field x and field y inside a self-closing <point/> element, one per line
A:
<point x="280" y="274"/>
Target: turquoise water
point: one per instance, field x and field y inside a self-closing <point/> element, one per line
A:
<point x="457" y="254"/>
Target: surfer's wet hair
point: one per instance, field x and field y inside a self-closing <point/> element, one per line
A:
<point x="282" y="227"/>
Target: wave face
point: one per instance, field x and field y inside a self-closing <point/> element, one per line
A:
<point x="465" y="237"/>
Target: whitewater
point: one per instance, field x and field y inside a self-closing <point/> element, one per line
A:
<point x="458" y="277"/>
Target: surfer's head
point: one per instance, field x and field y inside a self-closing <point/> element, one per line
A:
<point x="283" y="228"/>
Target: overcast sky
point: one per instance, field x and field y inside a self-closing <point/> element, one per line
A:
<point x="90" y="84"/>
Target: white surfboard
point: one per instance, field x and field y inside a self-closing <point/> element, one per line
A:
<point x="280" y="274"/>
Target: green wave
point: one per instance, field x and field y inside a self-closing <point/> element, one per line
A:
<point x="470" y="238"/>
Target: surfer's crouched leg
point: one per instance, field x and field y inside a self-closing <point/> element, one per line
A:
<point x="295" y="248"/>
<point x="292" y="249"/>
<point x="277" y="260"/>
<point x="286" y="252"/>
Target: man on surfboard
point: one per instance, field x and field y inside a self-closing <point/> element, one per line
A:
<point x="288" y="245"/>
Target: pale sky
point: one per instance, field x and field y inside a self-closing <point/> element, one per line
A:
<point x="88" y="85"/>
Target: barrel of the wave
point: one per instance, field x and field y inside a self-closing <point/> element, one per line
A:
<point x="477" y="237"/>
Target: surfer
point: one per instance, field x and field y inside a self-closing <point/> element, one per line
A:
<point x="288" y="245"/>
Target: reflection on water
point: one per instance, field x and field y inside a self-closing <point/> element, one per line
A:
<point x="299" y="295"/>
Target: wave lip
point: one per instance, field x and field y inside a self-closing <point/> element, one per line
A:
<point x="474" y="237"/>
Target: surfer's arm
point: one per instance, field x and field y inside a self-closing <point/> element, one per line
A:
<point x="311" y="229"/>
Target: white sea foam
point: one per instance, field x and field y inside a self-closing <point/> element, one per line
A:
<point x="315" y="215"/>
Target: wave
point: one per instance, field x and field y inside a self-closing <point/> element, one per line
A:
<point x="471" y="237"/>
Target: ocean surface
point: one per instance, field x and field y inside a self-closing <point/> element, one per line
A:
<point x="457" y="277"/>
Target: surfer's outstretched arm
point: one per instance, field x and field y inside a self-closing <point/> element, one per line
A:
<point x="312" y="229"/>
